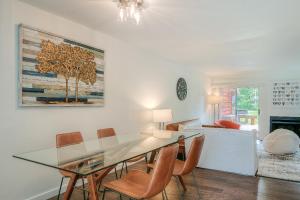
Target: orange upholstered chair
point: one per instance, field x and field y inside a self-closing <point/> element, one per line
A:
<point x="227" y="124"/>
<point x="109" y="132"/>
<point x="140" y="185"/>
<point x="66" y="139"/>
<point x="185" y="167"/>
<point x="62" y="140"/>
<point x="106" y="132"/>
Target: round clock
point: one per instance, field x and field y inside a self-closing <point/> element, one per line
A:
<point x="181" y="89"/>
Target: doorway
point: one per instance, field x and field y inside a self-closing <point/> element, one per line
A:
<point x="242" y="106"/>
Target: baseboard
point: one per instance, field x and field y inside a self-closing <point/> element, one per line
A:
<point x="48" y="194"/>
<point x="217" y="170"/>
<point x="54" y="191"/>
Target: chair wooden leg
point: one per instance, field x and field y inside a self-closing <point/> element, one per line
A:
<point x="61" y="182"/>
<point x="70" y="188"/>
<point x="182" y="183"/>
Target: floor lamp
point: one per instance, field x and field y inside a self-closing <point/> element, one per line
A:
<point x="215" y="101"/>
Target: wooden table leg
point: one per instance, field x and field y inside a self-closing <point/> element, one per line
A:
<point x="71" y="185"/>
<point x="152" y="157"/>
<point x="93" y="195"/>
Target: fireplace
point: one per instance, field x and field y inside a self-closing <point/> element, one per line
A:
<point x="290" y="123"/>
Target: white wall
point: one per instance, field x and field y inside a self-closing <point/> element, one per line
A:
<point x="263" y="80"/>
<point x="135" y="81"/>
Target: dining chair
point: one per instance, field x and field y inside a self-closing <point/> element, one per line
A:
<point x="185" y="167"/>
<point x="109" y="132"/>
<point x="66" y="139"/>
<point x="102" y="133"/>
<point x="138" y="184"/>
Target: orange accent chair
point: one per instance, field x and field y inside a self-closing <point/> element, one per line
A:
<point x="227" y="124"/>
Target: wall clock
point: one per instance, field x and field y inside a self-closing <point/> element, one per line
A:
<point x="181" y="89"/>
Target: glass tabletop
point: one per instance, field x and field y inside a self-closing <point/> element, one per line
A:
<point x="93" y="155"/>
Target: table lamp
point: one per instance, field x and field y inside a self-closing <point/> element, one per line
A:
<point x="161" y="116"/>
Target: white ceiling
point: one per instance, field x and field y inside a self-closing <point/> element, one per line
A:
<point x="220" y="36"/>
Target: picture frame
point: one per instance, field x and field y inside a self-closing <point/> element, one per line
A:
<point x="57" y="71"/>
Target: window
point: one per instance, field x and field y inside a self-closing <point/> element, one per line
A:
<point x="240" y="105"/>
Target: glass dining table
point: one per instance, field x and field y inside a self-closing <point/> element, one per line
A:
<point x="89" y="157"/>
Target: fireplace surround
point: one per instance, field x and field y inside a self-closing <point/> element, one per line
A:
<point x="290" y="123"/>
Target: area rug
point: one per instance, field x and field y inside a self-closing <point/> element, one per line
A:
<point x="285" y="167"/>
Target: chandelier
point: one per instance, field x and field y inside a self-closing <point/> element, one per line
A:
<point x="130" y="10"/>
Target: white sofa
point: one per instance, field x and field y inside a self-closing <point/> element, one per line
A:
<point x="228" y="150"/>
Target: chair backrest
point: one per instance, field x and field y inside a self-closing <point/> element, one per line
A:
<point x="106" y="132"/>
<point x="65" y="139"/>
<point x="193" y="155"/>
<point x="163" y="170"/>
<point x="227" y="124"/>
<point x="175" y="126"/>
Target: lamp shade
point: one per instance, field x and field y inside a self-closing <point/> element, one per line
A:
<point x="214" y="99"/>
<point x="162" y="115"/>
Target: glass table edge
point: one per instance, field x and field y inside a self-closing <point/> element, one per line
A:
<point x="94" y="171"/>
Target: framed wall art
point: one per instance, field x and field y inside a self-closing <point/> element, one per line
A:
<point x="56" y="71"/>
<point x="286" y="94"/>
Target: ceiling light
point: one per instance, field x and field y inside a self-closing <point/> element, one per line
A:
<point x="130" y="10"/>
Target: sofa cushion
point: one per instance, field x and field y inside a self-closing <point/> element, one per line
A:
<point x="281" y="141"/>
<point x="227" y="124"/>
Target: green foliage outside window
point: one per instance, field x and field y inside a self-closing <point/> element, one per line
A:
<point x="247" y="99"/>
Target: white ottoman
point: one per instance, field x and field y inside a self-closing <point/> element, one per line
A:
<point x="281" y="141"/>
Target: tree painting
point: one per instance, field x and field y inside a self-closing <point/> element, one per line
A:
<point x="67" y="61"/>
<point x="85" y="68"/>
<point x="58" y="71"/>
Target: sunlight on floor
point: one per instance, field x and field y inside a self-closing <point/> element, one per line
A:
<point x="248" y="127"/>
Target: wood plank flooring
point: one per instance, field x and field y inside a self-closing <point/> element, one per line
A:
<point x="216" y="185"/>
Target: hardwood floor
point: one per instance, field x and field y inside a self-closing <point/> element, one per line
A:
<point x="215" y="185"/>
